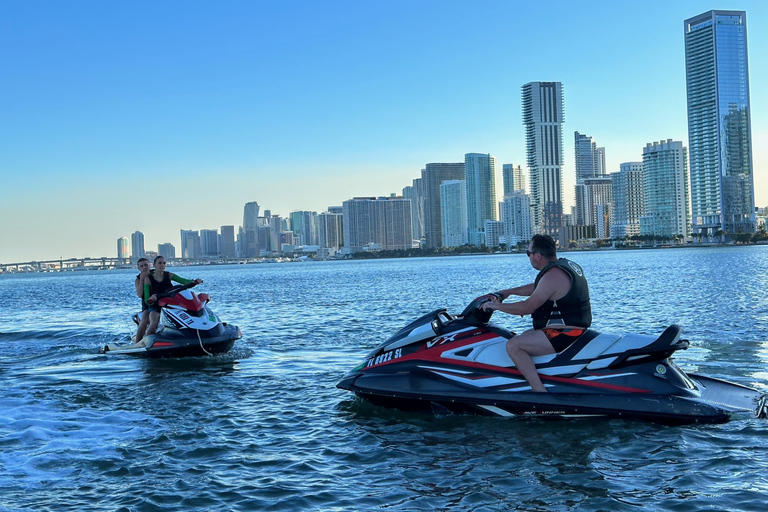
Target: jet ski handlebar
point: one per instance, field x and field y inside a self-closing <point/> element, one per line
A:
<point x="173" y="290"/>
<point x="474" y="310"/>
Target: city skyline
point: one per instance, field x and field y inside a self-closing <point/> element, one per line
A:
<point x="305" y="106"/>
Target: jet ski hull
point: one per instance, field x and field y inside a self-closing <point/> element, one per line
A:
<point x="460" y="365"/>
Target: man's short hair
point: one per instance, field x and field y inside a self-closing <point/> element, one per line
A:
<point x="544" y="245"/>
<point x="142" y="259"/>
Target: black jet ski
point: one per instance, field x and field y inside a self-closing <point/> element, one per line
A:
<point x="187" y="328"/>
<point x="459" y="364"/>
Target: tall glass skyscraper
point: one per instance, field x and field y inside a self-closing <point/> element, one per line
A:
<point x="480" y="176"/>
<point x="719" y="131"/>
<point x="543" y="117"/>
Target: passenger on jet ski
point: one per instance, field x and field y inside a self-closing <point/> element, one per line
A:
<point x="141" y="280"/>
<point x="158" y="282"/>
<point x="558" y="302"/>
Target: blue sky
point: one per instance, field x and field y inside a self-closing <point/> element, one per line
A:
<point x="161" y="116"/>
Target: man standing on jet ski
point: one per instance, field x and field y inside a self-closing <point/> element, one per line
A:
<point x="558" y="302"/>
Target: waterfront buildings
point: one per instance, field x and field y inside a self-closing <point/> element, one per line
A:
<point x="137" y="245"/>
<point x="494" y="233"/>
<point x="543" y="116"/>
<point x="383" y="222"/>
<point x="513" y="178"/>
<point x="719" y="129"/>
<point x="480" y="178"/>
<point x="228" y="242"/>
<point x="432" y="176"/>
<point x="665" y="187"/>
<point x="627" y="200"/>
<point x="595" y="201"/>
<point x="453" y="213"/>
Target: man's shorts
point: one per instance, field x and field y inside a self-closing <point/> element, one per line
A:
<point x="562" y="339"/>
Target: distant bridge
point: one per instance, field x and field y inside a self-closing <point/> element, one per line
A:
<point x="65" y="265"/>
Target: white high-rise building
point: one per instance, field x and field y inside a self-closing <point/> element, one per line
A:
<point x="719" y="128"/>
<point x="516" y="215"/>
<point x="331" y="231"/>
<point x="543" y="117"/>
<point x="480" y="177"/>
<point x="627" y="200"/>
<point x="453" y="213"/>
<point x="665" y="185"/>
<point x="250" y="239"/>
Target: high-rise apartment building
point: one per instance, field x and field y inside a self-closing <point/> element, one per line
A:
<point x="719" y="130"/>
<point x="513" y="178"/>
<point x="137" y="245"/>
<point x="383" y="222"/>
<point x="453" y="213"/>
<point x="228" y="242"/>
<point x="627" y="200"/>
<point x="665" y="186"/>
<point x="543" y="117"/>
<point x="480" y="177"/>
<point x="432" y="176"/>
<point x="516" y="215"/>
<point x="590" y="160"/>
<point x="331" y="231"/>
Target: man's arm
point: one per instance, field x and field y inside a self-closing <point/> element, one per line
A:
<point x="139" y="284"/>
<point x="554" y="284"/>
<point x="524" y="291"/>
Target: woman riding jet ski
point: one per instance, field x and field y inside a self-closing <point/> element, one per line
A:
<point x="460" y="364"/>
<point x="187" y="327"/>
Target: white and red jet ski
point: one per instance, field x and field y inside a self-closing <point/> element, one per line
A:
<point x="187" y="328"/>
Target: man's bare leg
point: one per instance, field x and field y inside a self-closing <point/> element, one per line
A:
<point x="521" y="348"/>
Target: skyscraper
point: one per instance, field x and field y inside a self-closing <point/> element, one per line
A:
<point x="513" y="178"/>
<point x="384" y="222"/>
<point x="209" y="243"/>
<point x="627" y="199"/>
<point x="250" y="243"/>
<point x="137" y="245"/>
<point x="122" y="250"/>
<point x="228" y="242"/>
<point x="331" y="230"/>
<point x="480" y="177"/>
<point x="590" y="160"/>
<point x="453" y="212"/>
<point x="665" y="185"/>
<point x="516" y="215"/>
<point x="543" y="117"/>
<point x="416" y="194"/>
<point x="190" y="244"/>
<point x="432" y="177"/>
<point x="719" y="130"/>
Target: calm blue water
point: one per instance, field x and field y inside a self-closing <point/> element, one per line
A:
<point x="264" y="428"/>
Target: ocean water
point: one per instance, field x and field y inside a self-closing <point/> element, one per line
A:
<point x="265" y="428"/>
